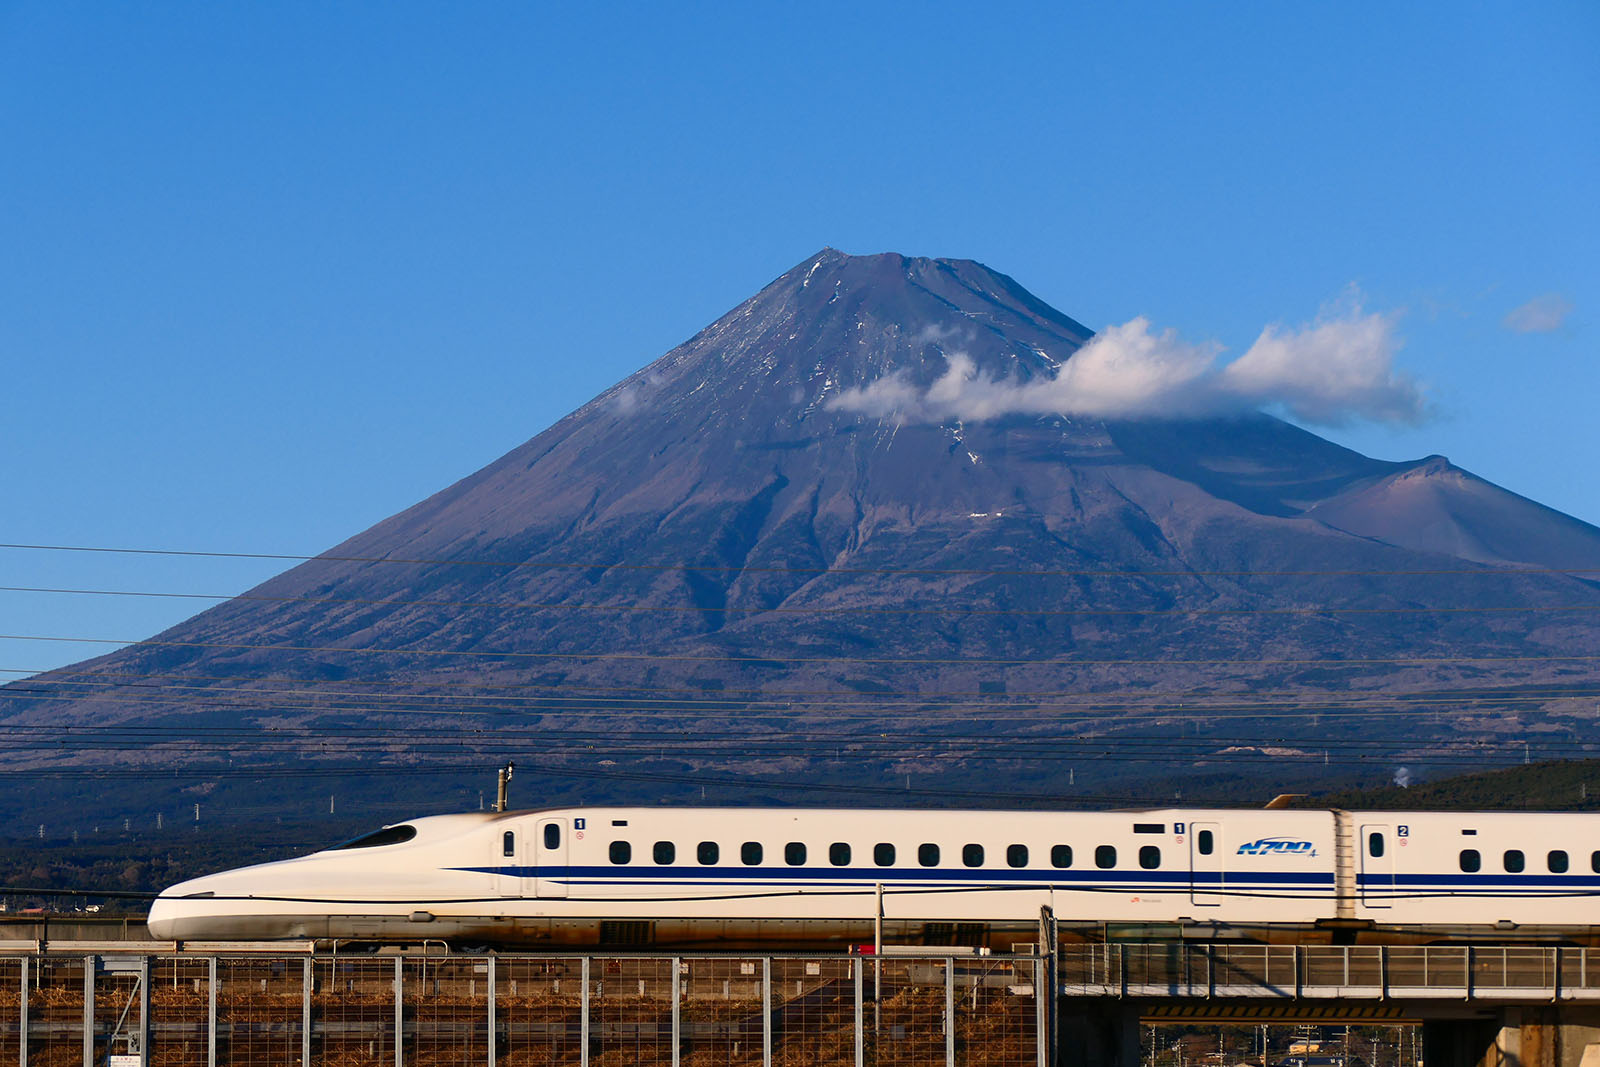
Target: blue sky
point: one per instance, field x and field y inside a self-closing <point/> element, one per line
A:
<point x="269" y="273"/>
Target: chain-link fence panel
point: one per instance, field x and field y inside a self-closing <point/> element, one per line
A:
<point x="905" y="1018"/>
<point x="996" y="1013"/>
<point x="180" y="1011"/>
<point x="10" y="1010"/>
<point x="353" y="1012"/>
<point x="55" y="1013"/>
<point x="260" y="1012"/>
<point x="538" y="1011"/>
<point x="720" y="1012"/>
<point x="813" y="1012"/>
<point x="445" y="1012"/>
<point x="630" y="1011"/>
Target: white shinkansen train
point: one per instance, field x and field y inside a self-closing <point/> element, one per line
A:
<point x="749" y="877"/>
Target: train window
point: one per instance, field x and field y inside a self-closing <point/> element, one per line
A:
<point x="928" y="855"/>
<point x="1149" y="857"/>
<point x="508" y="844"/>
<point x="1016" y="855"/>
<point x="1105" y="856"/>
<point x="1471" y="860"/>
<point x="1514" y="861"/>
<point x="664" y="852"/>
<point x="1061" y="855"/>
<point x="972" y="855"/>
<point x="707" y="853"/>
<point x="1206" y="842"/>
<point x="621" y="852"/>
<point x="389" y="835"/>
<point x="750" y="853"/>
<point x="1374" y="845"/>
<point x="839" y="854"/>
<point x="883" y="854"/>
<point x="794" y="853"/>
<point x="1557" y="862"/>
<point x="552" y="835"/>
<point x="1594" y="862"/>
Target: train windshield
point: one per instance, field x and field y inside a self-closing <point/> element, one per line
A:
<point x="389" y="835"/>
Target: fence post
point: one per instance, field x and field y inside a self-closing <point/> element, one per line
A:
<point x="144" y="1011"/>
<point x="583" y="1018"/>
<point x="1041" y="1015"/>
<point x="861" y="1049"/>
<point x="950" y="1012"/>
<point x="493" y="1050"/>
<point x="766" y="1011"/>
<point x="399" y="1011"/>
<point x="677" y="971"/>
<point x="89" y="963"/>
<point x="22" y="1022"/>
<point x="211" y="1012"/>
<point x="307" y="981"/>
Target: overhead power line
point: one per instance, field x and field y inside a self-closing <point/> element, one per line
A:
<point x="1484" y="569"/>
<point x="764" y="659"/>
<point x="692" y="609"/>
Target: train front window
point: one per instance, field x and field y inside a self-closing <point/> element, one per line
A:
<point x="389" y="835"/>
<point x="1514" y="861"/>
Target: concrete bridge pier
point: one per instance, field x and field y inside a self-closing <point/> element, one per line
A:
<point x="1545" y="1035"/>
<point x="1097" y="1032"/>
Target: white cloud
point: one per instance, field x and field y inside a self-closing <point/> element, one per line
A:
<point x="1542" y="314"/>
<point x="1334" y="370"/>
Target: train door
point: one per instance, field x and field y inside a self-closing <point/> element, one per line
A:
<point x="1206" y="873"/>
<point x="550" y="851"/>
<point x="1377" y="865"/>
<point x="505" y="862"/>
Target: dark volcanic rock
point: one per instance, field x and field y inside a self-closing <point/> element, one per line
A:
<point x="711" y="527"/>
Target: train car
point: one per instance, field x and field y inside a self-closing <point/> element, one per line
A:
<point x="749" y="877"/>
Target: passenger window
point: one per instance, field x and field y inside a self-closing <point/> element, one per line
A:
<point x="1016" y="855"/>
<point x="972" y="855"/>
<point x="1471" y="861"/>
<point x="1557" y="862"/>
<point x="1206" y="842"/>
<point x="1514" y="861"/>
<point x="664" y="852"/>
<point x="1105" y="856"/>
<point x="1149" y="857"/>
<point x="794" y="853"/>
<point x="1061" y="855"/>
<point x="750" y="853"/>
<point x="839" y="854"/>
<point x="707" y="853"/>
<point x="883" y="854"/>
<point x="621" y="852"/>
<point x="508" y="844"/>
<point x="928" y="855"/>
<point x="552" y="835"/>
<point x="1375" y="845"/>
<point x="1594" y="862"/>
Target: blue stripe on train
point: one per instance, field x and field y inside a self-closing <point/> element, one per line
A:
<point x="1149" y="880"/>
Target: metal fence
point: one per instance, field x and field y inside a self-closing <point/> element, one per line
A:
<point x="518" y="1011"/>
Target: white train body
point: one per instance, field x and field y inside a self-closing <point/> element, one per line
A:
<point x="750" y="876"/>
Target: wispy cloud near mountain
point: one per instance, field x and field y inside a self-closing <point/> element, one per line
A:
<point x="1337" y="369"/>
